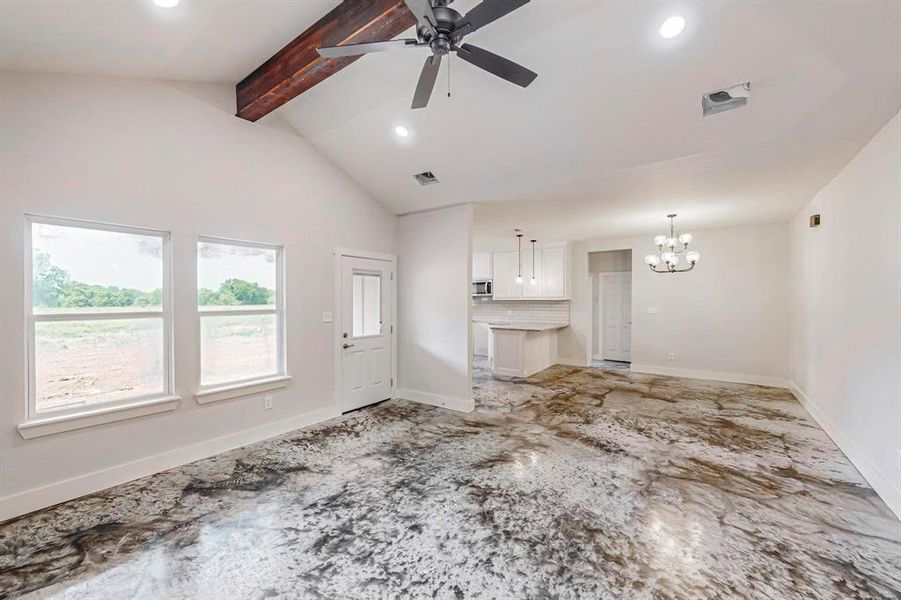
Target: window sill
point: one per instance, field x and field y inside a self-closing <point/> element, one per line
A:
<point x="246" y="388"/>
<point x="41" y="426"/>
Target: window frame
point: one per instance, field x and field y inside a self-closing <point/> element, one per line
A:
<point x="232" y="387"/>
<point x="165" y="313"/>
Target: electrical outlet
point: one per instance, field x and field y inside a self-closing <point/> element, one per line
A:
<point x="267" y="402"/>
<point x="671" y="356"/>
<point x="327" y="317"/>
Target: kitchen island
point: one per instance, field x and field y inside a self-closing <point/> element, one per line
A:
<point x="523" y="349"/>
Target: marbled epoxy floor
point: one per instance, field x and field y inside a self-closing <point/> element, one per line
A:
<point x="577" y="483"/>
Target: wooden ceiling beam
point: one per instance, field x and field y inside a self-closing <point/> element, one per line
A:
<point x="297" y="67"/>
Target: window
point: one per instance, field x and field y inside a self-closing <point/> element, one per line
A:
<point x="240" y="304"/>
<point x="99" y="320"/>
<point x="367" y="304"/>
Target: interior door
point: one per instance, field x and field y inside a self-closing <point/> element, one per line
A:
<point x="617" y="338"/>
<point x="368" y="327"/>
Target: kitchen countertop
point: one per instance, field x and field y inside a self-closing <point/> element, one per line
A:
<point x="526" y="326"/>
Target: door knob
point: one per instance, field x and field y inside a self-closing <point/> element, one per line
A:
<point x="346" y="346"/>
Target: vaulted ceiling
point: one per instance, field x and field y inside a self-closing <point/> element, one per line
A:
<point x="606" y="141"/>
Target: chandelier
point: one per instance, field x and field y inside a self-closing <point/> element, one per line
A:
<point x="669" y="248"/>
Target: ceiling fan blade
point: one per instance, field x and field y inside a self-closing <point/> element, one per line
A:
<point x="426" y="81"/>
<point x="422" y="10"/>
<point x="496" y="65"/>
<point x="365" y="48"/>
<point x="487" y="12"/>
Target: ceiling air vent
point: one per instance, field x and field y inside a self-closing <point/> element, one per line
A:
<point x="426" y="178"/>
<point x="727" y="99"/>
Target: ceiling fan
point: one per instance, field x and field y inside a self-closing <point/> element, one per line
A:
<point x="441" y="29"/>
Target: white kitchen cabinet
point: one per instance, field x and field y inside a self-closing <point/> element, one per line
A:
<point x="530" y="290"/>
<point x="481" y="339"/>
<point x="551" y="273"/>
<point x="506" y="265"/>
<point x="481" y="266"/>
<point x="553" y="261"/>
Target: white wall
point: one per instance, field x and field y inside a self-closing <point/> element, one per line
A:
<point x="434" y="275"/>
<point x="171" y="157"/>
<point x="727" y="319"/>
<point x="846" y="311"/>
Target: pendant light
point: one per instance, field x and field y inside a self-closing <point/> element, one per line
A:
<point x="533" y="281"/>
<point x="519" y="256"/>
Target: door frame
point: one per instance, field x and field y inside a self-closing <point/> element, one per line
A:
<point x="338" y="323"/>
<point x="598" y="312"/>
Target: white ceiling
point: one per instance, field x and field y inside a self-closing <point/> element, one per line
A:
<point x="608" y="139"/>
<point x="199" y="40"/>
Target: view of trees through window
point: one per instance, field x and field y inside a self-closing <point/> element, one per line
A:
<point x="54" y="288"/>
<point x="236" y="298"/>
<point x="80" y="274"/>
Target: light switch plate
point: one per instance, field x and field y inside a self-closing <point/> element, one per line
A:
<point x="327" y="317"/>
<point x="267" y="402"/>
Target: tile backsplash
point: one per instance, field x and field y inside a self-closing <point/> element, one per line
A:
<point x="517" y="311"/>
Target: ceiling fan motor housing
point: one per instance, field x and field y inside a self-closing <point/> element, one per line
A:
<point x="440" y="39"/>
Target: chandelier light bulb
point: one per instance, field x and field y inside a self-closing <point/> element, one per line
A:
<point x="685" y="239"/>
<point x="692" y="257"/>
<point x="659" y="240"/>
<point x="519" y="279"/>
<point x="652" y="259"/>
<point x="533" y="281"/>
<point x="669" y="257"/>
<point x="675" y="260"/>
<point x="670" y="242"/>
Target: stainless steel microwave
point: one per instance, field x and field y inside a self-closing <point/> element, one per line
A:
<point x="481" y="287"/>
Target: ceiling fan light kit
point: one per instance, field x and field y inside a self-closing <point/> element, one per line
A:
<point x="442" y="29"/>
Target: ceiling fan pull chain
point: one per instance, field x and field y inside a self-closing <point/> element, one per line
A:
<point x="448" y="76"/>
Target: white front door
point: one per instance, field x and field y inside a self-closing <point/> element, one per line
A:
<point x="368" y="326"/>
<point x="617" y="334"/>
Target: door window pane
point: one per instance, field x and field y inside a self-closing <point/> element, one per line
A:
<point x="76" y="269"/>
<point x="235" y="277"/>
<point x="82" y="363"/>
<point x="238" y="347"/>
<point x="367" y="304"/>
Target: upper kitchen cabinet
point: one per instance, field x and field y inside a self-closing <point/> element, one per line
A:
<point x="554" y="269"/>
<point x="506" y="266"/>
<point x="481" y="266"/>
<point x="551" y="273"/>
<point x="532" y="289"/>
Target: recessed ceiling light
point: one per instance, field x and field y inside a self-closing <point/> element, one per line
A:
<point x="166" y="3"/>
<point x="672" y="27"/>
<point x="401" y="131"/>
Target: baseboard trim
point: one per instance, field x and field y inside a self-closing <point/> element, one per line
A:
<point x="711" y="375"/>
<point x="459" y="404"/>
<point x="571" y="362"/>
<point x="878" y="480"/>
<point x="35" y="499"/>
